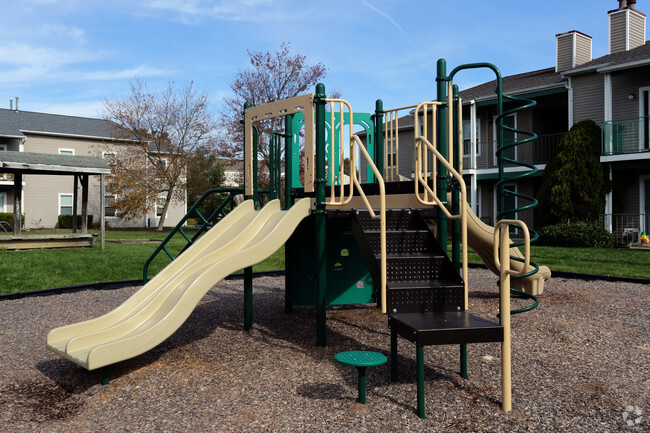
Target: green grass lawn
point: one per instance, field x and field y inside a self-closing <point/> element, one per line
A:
<point x="40" y="269"/>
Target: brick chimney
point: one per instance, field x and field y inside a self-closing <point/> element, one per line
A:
<point x="573" y="49"/>
<point x="626" y="27"/>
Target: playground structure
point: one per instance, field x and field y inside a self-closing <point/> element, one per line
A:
<point x="366" y="240"/>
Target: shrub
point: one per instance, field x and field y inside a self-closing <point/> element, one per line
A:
<point x="65" y="221"/>
<point x="9" y="218"/>
<point x="577" y="234"/>
<point x="574" y="183"/>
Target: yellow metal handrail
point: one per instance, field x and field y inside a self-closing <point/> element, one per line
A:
<point x="341" y="198"/>
<point x="501" y="242"/>
<point x="435" y="200"/>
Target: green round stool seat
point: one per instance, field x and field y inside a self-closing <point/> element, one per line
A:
<point x="361" y="359"/>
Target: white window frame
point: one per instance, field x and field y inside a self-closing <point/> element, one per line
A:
<point x="162" y="207"/>
<point x="64" y="151"/>
<point x="3" y="147"/>
<point x="3" y="205"/>
<point x="494" y="136"/>
<point x="66" y="194"/>
<point x="642" y="203"/>
<point x="115" y="215"/>
<point x="478" y="137"/>
<point x="111" y="154"/>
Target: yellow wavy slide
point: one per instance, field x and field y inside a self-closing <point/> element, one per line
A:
<point x="241" y="239"/>
<point x="481" y="237"/>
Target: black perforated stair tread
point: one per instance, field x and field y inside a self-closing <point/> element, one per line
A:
<point x="449" y="327"/>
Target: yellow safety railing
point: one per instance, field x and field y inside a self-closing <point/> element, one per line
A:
<point x="391" y="142"/>
<point x="340" y="198"/>
<point x="427" y="156"/>
<point x="501" y="242"/>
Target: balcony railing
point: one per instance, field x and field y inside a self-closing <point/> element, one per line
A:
<point x="626" y="136"/>
<point x="537" y="152"/>
<point x="626" y="228"/>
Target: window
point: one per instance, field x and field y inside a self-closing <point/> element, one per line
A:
<point x="109" y="209"/>
<point x="164" y="163"/>
<point x="109" y="157"/>
<point x="3" y="147"/>
<point x="160" y="205"/>
<point x="3" y="202"/>
<point x="63" y="151"/>
<point x="467" y="137"/>
<point x="65" y="204"/>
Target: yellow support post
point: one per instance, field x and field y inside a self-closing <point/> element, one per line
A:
<point x="502" y="259"/>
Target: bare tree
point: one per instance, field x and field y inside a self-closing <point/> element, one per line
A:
<point x="270" y="77"/>
<point x="157" y="133"/>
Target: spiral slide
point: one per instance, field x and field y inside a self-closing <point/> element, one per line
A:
<point x="481" y="237"/>
<point x="243" y="238"/>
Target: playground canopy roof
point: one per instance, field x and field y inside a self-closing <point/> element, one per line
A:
<point x="41" y="163"/>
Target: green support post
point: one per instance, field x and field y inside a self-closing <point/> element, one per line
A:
<point x="419" y="354"/>
<point x="379" y="135"/>
<point x="248" y="298"/>
<point x="248" y="272"/>
<point x="442" y="80"/>
<point x="393" y="356"/>
<point x="288" y="160"/>
<point x="320" y="217"/>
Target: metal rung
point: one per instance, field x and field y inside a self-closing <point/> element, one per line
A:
<point x="171" y="256"/>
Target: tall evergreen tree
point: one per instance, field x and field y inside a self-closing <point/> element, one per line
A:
<point x="574" y="182"/>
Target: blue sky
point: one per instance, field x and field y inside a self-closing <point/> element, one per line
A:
<point x="68" y="56"/>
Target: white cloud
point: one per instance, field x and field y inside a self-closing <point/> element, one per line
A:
<point x="241" y="10"/>
<point x="389" y="18"/>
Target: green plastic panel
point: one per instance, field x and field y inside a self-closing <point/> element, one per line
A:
<point x="348" y="278"/>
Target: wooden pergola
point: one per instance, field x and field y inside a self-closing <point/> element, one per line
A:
<point x="80" y="167"/>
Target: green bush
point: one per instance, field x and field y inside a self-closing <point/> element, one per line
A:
<point x="65" y="221"/>
<point x="577" y="234"/>
<point x="9" y="218"/>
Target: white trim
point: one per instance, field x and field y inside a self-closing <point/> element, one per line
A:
<point x="66" y="150"/>
<point x="625" y="157"/>
<point x="609" y="201"/>
<point x="642" y="203"/>
<point x="61" y="194"/>
<point x="608" y="98"/>
<point x="3" y="206"/>
<point x="89" y="137"/>
<point x="618" y="67"/>
<point x="570" y="97"/>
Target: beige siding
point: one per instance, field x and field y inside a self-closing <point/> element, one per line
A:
<point x="588" y="97"/>
<point x="583" y="49"/>
<point x="564" y="55"/>
<point x="637" y="30"/>
<point x="617" y="31"/>
<point x="41" y="193"/>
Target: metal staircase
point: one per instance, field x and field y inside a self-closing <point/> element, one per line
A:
<point x="425" y="294"/>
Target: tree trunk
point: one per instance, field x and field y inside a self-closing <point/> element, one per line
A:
<point x="168" y="199"/>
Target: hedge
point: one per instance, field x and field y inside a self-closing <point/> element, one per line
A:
<point x="576" y="234"/>
<point x="9" y="218"/>
<point x="65" y="221"/>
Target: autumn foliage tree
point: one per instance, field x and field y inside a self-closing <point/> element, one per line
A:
<point x="270" y="77"/>
<point x="157" y="132"/>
